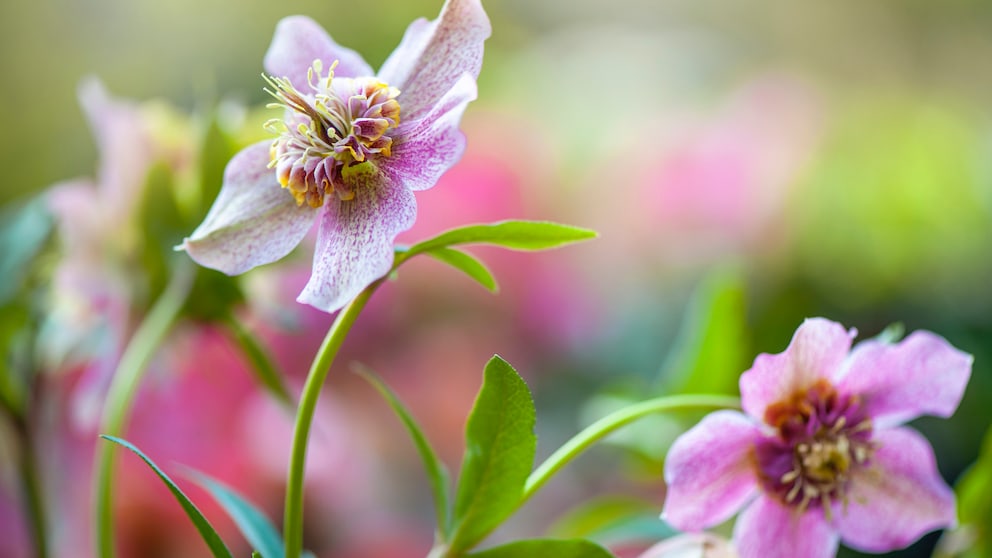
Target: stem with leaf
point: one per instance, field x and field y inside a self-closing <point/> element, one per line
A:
<point x="265" y="371"/>
<point x="124" y="385"/>
<point x="293" y="514"/>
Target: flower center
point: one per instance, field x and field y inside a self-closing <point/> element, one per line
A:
<point x="330" y="135"/>
<point x="822" y="438"/>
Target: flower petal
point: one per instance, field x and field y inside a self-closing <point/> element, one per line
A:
<point x="768" y="529"/>
<point x="253" y="220"/>
<point x="298" y="41"/>
<point x="355" y="241"/>
<point x="425" y="149"/>
<point x="817" y="350"/>
<point x="899" y="498"/>
<point x="692" y="545"/>
<point x="923" y="374"/>
<point x="710" y="471"/>
<point x="434" y="54"/>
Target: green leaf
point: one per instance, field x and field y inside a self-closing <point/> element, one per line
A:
<point x="24" y="229"/>
<point x="546" y="548"/>
<point x="15" y="355"/>
<point x="499" y="454"/>
<point x="466" y="263"/>
<point x="437" y="474"/>
<point x="602" y="516"/>
<point x="891" y="334"/>
<point x="711" y="349"/>
<point x="256" y="528"/>
<point x="973" y="537"/>
<point x="266" y="372"/>
<point x="516" y="235"/>
<point x="210" y="536"/>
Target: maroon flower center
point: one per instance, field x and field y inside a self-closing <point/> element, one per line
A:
<point x="822" y="438"/>
<point x="330" y="135"/>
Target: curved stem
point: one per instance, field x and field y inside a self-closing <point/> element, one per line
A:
<point x="293" y="514"/>
<point x="606" y="425"/>
<point x="124" y="385"/>
<point x="265" y="371"/>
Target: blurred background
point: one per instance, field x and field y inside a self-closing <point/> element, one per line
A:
<point x="747" y="165"/>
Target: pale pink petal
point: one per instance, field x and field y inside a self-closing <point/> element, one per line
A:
<point x="355" y="241"/>
<point x="817" y="350"/>
<point x="427" y="148"/>
<point x="922" y="375"/>
<point x="899" y="498"/>
<point x="78" y="215"/>
<point x="691" y="545"/>
<point x="434" y="54"/>
<point x="253" y="221"/>
<point x="710" y="471"/>
<point x="768" y="529"/>
<point x="298" y="41"/>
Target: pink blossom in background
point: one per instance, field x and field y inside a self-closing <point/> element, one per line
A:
<point x="819" y="454"/>
<point x="350" y="151"/>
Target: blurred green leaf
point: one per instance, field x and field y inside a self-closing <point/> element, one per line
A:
<point x="210" y="536"/>
<point x="545" y="548"/>
<point x="973" y="537"/>
<point x="891" y="334"/>
<point x="710" y="352"/>
<point x="14" y="320"/>
<point x="214" y="295"/>
<point x="215" y="152"/>
<point x="466" y="263"/>
<point x="262" y="367"/>
<point x="256" y="528"/>
<point x="516" y="235"/>
<point x="499" y="454"/>
<point x="598" y="517"/>
<point x="437" y="474"/>
<point x="24" y="228"/>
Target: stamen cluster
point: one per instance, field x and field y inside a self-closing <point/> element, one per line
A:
<point x="822" y="438"/>
<point x="329" y="132"/>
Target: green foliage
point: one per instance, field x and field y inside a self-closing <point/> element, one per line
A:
<point x="210" y="536"/>
<point x="607" y="518"/>
<point x="256" y="528"/>
<point x="23" y="232"/>
<point x="515" y="235"/>
<point x="545" y="548"/>
<point x="466" y="263"/>
<point x="437" y="474"/>
<point x="711" y="349"/>
<point x="499" y="453"/>
<point x="973" y="538"/>
<point x="14" y="320"/>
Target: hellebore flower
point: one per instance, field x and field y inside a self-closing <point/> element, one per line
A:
<point x="819" y="455"/>
<point x="349" y="152"/>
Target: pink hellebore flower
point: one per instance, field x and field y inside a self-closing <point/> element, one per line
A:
<point x="819" y="454"/>
<point x="342" y="153"/>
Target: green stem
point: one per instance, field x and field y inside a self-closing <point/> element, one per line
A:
<point x="32" y="493"/>
<point x="264" y="369"/>
<point x="606" y="425"/>
<point x="293" y="514"/>
<point x="123" y="387"/>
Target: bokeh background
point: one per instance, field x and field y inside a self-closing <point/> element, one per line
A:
<point x="747" y="164"/>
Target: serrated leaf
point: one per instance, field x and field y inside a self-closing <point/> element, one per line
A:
<point x="499" y="454"/>
<point x="437" y="474"/>
<point x="546" y="548"/>
<point x="467" y="263"/>
<point x="209" y="534"/>
<point x="23" y="231"/>
<point x="256" y="528"/>
<point x="516" y="235"/>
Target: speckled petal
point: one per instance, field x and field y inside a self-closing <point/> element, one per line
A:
<point x="767" y="529"/>
<point x="817" y="350"/>
<point x="922" y="375"/>
<point x="899" y="498"/>
<point x="433" y="55"/>
<point x="710" y="471"/>
<point x="298" y="41"/>
<point x="427" y="148"/>
<point x="253" y="221"/>
<point x="355" y="241"/>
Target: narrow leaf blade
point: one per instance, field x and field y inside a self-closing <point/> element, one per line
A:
<point x="516" y="235"/>
<point x="466" y="263"/>
<point x="210" y="536"/>
<point x="256" y="528"/>
<point x="544" y="548"/>
<point x="499" y="454"/>
<point x="437" y="474"/>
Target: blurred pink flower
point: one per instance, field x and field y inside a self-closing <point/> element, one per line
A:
<point x="342" y="150"/>
<point x="819" y="455"/>
<point x="694" y="545"/>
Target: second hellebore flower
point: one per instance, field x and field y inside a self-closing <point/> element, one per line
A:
<point x="349" y="152"/>
<point x="819" y="455"/>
